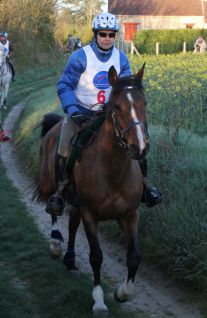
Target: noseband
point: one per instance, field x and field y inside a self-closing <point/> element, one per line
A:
<point x="120" y="133"/>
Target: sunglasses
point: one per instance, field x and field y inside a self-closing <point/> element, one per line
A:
<point x="104" y="35"/>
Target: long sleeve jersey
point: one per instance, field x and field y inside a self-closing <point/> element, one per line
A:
<point x="75" y="67"/>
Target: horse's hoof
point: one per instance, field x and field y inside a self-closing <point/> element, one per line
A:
<point x="119" y="299"/>
<point x="75" y="273"/>
<point x="120" y="296"/>
<point x="100" y="310"/>
<point x="55" y="249"/>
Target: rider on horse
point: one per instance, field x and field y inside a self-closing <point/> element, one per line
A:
<point x="83" y="85"/>
<point x="6" y="45"/>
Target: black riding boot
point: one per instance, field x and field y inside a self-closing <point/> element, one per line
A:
<point x="12" y="70"/>
<point x="151" y="196"/>
<point x="55" y="204"/>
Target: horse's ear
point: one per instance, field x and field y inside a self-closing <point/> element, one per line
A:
<point x="112" y="75"/>
<point x="140" y="73"/>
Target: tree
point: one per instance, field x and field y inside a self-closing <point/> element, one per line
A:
<point x="84" y="10"/>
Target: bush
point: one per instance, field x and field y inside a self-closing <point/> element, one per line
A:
<point x="171" y="41"/>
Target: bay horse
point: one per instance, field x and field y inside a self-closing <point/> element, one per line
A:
<point x="108" y="179"/>
<point x="5" y="78"/>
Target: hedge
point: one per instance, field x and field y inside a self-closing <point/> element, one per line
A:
<point x="171" y="41"/>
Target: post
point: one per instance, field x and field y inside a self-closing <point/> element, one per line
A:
<point x="184" y="47"/>
<point x="133" y="49"/>
<point x="157" y="48"/>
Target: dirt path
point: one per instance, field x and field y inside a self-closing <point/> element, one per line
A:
<point x="157" y="299"/>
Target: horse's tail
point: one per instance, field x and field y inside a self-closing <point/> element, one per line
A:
<point x="49" y="120"/>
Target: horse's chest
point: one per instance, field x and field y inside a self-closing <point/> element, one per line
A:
<point x="110" y="205"/>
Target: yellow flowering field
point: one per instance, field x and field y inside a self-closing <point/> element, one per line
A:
<point x="176" y="87"/>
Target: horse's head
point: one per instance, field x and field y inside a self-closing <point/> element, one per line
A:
<point x="127" y="104"/>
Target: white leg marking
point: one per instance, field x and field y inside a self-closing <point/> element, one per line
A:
<point x="125" y="290"/>
<point x="98" y="297"/>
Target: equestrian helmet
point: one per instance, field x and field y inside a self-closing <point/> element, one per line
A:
<point x="5" y="34"/>
<point x="105" y="21"/>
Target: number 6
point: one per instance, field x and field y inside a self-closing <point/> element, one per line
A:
<point x="101" y="97"/>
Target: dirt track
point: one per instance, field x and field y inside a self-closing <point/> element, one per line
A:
<point x="157" y="298"/>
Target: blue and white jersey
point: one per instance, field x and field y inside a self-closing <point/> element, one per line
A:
<point x="80" y="65"/>
<point x="5" y="47"/>
<point x="93" y="87"/>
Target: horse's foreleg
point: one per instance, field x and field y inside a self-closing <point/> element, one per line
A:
<point x="4" y="94"/>
<point x="74" y="222"/>
<point x="125" y="290"/>
<point x="55" y="248"/>
<point x="96" y="258"/>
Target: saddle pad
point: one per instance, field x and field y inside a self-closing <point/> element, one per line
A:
<point x="82" y="139"/>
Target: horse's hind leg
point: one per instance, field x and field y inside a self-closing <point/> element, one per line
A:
<point x="96" y="258"/>
<point x="125" y="290"/>
<point x="55" y="248"/>
<point x="74" y="222"/>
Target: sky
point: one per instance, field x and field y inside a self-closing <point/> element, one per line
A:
<point x="105" y="6"/>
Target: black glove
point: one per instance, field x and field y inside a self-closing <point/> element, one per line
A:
<point x="79" y="118"/>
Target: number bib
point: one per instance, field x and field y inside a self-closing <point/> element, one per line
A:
<point x="93" y="87"/>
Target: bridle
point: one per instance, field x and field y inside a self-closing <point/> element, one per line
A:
<point x="121" y="132"/>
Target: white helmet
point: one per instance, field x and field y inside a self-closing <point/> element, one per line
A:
<point x="105" y="21"/>
<point x="5" y="34"/>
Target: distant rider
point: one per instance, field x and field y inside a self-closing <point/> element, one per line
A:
<point x="8" y="49"/>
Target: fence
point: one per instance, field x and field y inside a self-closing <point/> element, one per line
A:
<point x="127" y="47"/>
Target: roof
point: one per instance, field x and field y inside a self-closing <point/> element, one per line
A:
<point x="157" y="7"/>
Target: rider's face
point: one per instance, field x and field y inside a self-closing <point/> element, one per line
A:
<point x="105" y="39"/>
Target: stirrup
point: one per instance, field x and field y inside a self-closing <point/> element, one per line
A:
<point x="55" y="205"/>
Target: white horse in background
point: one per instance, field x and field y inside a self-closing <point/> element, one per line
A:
<point x="5" y="78"/>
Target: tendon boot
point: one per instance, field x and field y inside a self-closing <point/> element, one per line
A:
<point x="151" y="196"/>
<point x="55" y="204"/>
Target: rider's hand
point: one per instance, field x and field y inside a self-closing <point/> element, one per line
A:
<point x="79" y="118"/>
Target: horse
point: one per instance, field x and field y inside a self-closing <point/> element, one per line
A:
<point x="5" y="78"/>
<point x="108" y="180"/>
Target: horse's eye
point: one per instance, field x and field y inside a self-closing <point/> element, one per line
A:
<point x="117" y="107"/>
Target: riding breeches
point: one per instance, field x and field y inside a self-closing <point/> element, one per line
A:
<point x="69" y="128"/>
